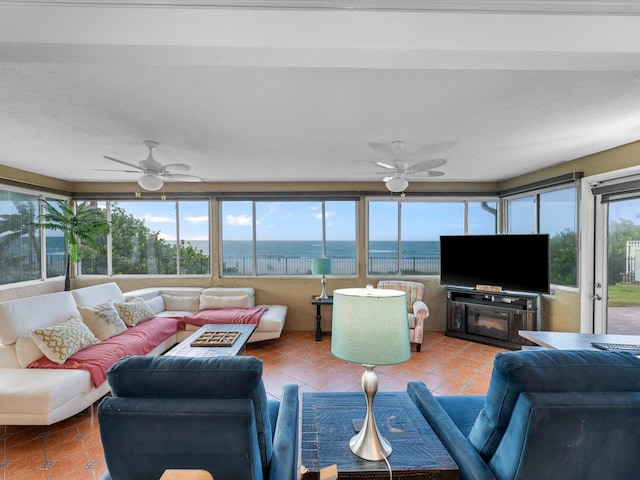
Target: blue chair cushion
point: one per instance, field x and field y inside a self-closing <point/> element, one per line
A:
<point x="547" y="371"/>
<point x="237" y="377"/>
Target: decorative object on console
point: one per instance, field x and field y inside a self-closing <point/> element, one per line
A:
<point x="321" y="266"/>
<point x="370" y="327"/>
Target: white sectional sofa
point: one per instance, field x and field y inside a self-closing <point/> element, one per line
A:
<point x="181" y="301"/>
<point x="42" y="396"/>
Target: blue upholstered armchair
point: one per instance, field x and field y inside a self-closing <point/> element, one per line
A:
<point x="197" y="413"/>
<point x="569" y="414"/>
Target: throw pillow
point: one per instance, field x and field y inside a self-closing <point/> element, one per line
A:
<point x="181" y="303"/>
<point x="61" y="341"/>
<point x="224" y="301"/>
<point x="27" y="350"/>
<point x="135" y="311"/>
<point x="103" y="320"/>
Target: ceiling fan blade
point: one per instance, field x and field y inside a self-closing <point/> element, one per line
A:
<point x="182" y="177"/>
<point x="435" y="173"/>
<point x="139" y="169"/>
<point x="114" y="170"/>
<point x="178" y="167"/>
<point x="383" y="147"/>
<point x="427" y="165"/>
<point x="385" y="165"/>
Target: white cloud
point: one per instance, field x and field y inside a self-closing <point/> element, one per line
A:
<point x="318" y="216"/>
<point x="147" y="217"/>
<point x="238" y="220"/>
<point x="197" y="220"/>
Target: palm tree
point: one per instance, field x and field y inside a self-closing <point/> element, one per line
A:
<point x="83" y="224"/>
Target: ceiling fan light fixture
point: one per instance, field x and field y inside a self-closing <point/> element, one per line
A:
<point x="150" y="182"/>
<point x="397" y="184"/>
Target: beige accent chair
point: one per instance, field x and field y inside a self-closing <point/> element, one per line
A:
<point x="417" y="310"/>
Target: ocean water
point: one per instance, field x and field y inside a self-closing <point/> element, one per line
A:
<point x="335" y="249"/>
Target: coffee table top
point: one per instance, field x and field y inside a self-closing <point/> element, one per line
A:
<point x="575" y="341"/>
<point x="327" y="427"/>
<point x="184" y="348"/>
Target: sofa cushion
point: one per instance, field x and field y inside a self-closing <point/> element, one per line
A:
<point x="18" y="317"/>
<point x="224" y="301"/>
<point x="40" y="392"/>
<point x="27" y="350"/>
<point x="547" y="371"/>
<point x="197" y="377"/>
<point x="232" y="292"/>
<point x="156" y="304"/>
<point x="88" y="296"/>
<point x="103" y="320"/>
<point x="181" y="302"/>
<point x="134" y="311"/>
<point x="61" y="341"/>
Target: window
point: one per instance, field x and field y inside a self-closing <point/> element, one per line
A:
<point x="553" y="211"/>
<point x="154" y="238"/>
<point x="282" y="237"/>
<point x="404" y="236"/>
<point x="20" y="248"/>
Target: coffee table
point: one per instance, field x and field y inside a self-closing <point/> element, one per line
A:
<point x="184" y="348"/>
<point x="575" y="341"/>
<point x="327" y="426"/>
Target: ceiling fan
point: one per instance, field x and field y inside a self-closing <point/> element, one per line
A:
<point x="154" y="173"/>
<point x="399" y="168"/>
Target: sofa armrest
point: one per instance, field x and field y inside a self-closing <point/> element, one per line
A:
<point x="284" y="462"/>
<point x="471" y="465"/>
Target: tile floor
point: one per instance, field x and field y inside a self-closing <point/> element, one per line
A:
<point x="71" y="449"/>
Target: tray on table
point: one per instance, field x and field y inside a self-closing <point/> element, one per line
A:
<point x="215" y="339"/>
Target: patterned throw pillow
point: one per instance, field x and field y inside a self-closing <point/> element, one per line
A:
<point x="135" y="311"/>
<point x="61" y="341"/>
<point x="103" y="320"/>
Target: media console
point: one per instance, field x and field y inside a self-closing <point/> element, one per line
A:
<point x="493" y="318"/>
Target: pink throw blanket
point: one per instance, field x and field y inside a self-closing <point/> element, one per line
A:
<point x="226" y="315"/>
<point x="138" y="340"/>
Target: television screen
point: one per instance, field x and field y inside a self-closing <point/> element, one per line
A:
<point x="512" y="262"/>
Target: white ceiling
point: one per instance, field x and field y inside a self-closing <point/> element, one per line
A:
<point x="281" y="93"/>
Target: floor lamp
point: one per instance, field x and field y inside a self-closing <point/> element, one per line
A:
<point x="370" y="327"/>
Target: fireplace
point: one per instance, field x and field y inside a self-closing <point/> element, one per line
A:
<point x="488" y="322"/>
<point x="491" y="318"/>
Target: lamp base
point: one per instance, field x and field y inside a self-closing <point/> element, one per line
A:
<point x="323" y="295"/>
<point x="368" y="443"/>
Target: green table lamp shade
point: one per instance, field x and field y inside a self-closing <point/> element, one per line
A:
<point x="370" y="326"/>
<point x="321" y="266"/>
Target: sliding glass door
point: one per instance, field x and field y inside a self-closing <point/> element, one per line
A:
<point x="616" y="292"/>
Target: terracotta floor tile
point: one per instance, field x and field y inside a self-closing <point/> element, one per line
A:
<point x="445" y="365"/>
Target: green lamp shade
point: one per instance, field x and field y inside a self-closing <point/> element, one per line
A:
<point x="321" y="266"/>
<point x="370" y="326"/>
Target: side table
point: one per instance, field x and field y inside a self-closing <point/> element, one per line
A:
<point x="327" y="427"/>
<point x="319" y="303"/>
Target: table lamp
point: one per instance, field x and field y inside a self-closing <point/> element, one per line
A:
<point x="370" y="327"/>
<point x="321" y="266"/>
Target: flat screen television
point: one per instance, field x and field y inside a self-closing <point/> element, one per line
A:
<point x="518" y="262"/>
